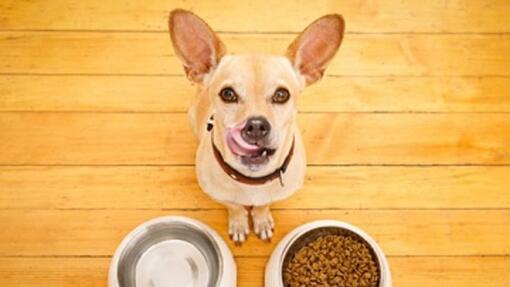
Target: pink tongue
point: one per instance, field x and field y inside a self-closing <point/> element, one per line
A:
<point x="237" y="143"/>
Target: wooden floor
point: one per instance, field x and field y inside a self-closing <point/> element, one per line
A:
<point x="408" y="135"/>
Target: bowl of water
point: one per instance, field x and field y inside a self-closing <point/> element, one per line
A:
<point x="172" y="251"/>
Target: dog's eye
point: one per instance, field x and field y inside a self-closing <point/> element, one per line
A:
<point x="281" y="96"/>
<point x="228" y="95"/>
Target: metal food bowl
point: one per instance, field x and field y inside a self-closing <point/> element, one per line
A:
<point x="172" y="251"/>
<point x="306" y="233"/>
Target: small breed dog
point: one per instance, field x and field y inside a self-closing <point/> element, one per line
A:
<point x="250" y="152"/>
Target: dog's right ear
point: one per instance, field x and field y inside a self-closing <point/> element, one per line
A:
<point x="195" y="43"/>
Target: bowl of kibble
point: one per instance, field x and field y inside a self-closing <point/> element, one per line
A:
<point x="328" y="253"/>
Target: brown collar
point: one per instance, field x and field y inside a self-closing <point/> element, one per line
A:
<point x="236" y="175"/>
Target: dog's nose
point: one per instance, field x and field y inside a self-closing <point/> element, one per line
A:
<point x="256" y="129"/>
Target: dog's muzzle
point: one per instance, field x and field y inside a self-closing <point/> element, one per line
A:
<point x="249" y="141"/>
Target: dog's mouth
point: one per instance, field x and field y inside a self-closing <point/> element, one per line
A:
<point x="252" y="155"/>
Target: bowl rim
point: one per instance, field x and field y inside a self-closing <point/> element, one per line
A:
<point x="294" y="235"/>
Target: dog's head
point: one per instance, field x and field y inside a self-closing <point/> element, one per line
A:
<point x="254" y="96"/>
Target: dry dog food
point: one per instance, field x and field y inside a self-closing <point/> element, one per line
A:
<point x="332" y="260"/>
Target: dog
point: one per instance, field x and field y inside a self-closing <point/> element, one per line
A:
<point x="250" y="151"/>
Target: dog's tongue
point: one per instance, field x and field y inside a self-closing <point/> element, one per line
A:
<point x="236" y="142"/>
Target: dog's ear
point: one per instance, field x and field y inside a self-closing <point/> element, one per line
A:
<point x="195" y="43"/>
<point x="316" y="45"/>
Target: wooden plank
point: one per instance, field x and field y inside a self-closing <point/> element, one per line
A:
<point x="122" y="187"/>
<point x="267" y="16"/>
<point x="407" y="271"/>
<point x="450" y="271"/>
<point x="399" y="232"/>
<point x="151" y="53"/>
<point x="51" y="272"/>
<point x="332" y="94"/>
<point x="99" y="139"/>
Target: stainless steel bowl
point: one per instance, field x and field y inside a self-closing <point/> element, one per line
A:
<point x="172" y="251"/>
<point x="309" y="232"/>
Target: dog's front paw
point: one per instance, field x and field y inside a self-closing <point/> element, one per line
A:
<point x="263" y="223"/>
<point x="238" y="226"/>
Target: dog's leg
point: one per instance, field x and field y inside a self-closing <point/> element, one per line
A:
<point x="263" y="222"/>
<point x="238" y="226"/>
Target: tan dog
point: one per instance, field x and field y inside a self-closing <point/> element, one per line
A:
<point x="251" y="152"/>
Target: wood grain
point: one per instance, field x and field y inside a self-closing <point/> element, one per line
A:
<point x="407" y="271"/>
<point x="332" y="94"/>
<point x="407" y="136"/>
<point x="168" y="187"/>
<point x="268" y="16"/>
<point x="106" y="139"/>
<point x="151" y="53"/>
<point x="399" y="232"/>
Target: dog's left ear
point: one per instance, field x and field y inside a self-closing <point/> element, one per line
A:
<point x="316" y="46"/>
<point x="195" y="43"/>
